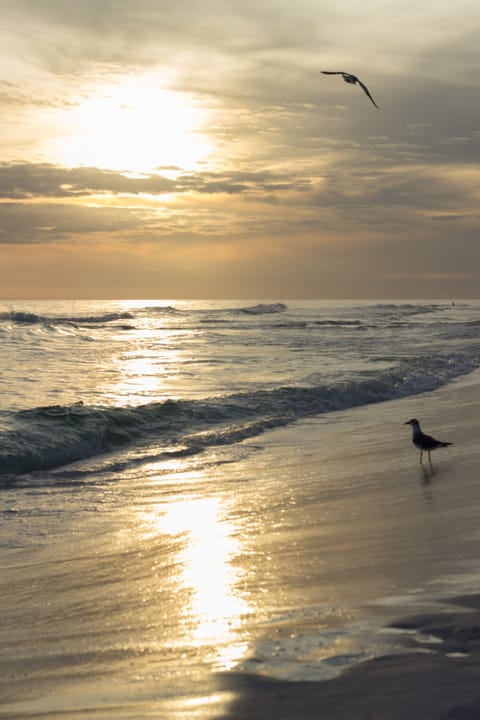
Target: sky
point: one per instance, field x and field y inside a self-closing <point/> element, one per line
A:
<point x="154" y="149"/>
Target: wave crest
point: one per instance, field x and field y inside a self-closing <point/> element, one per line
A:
<point x="29" y="318"/>
<point x="43" y="438"/>
<point x="264" y="309"/>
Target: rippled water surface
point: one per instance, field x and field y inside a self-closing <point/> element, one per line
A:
<point x="177" y="499"/>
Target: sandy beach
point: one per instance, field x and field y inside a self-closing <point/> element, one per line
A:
<point x="429" y="548"/>
<point x="238" y="253"/>
<point x="435" y="684"/>
<point x="330" y="576"/>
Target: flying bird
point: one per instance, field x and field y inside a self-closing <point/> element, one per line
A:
<point x="424" y="442"/>
<point x="352" y="80"/>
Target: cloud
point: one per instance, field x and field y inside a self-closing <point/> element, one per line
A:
<point x="27" y="180"/>
<point x="70" y="37"/>
<point x="303" y="169"/>
<point x="43" y="180"/>
<point x="455" y="217"/>
<point x="22" y="223"/>
<point x="264" y="202"/>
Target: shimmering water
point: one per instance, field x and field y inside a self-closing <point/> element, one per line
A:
<point x="165" y="516"/>
<point x="82" y="379"/>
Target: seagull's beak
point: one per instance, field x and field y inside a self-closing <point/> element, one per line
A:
<point x="407" y="423"/>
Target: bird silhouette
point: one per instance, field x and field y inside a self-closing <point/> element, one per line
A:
<point x="352" y="80"/>
<point x="424" y="442"/>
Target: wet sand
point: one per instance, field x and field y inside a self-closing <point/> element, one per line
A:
<point x="327" y="574"/>
<point x="443" y="684"/>
<point x="434" y="671"/>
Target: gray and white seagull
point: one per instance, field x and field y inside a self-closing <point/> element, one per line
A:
<point x="352" y="80"/>
<point x="424" y="442"/>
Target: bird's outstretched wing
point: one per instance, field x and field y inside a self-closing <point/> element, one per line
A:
<point x="352" y="80"/>
<point x="366" y="91"/>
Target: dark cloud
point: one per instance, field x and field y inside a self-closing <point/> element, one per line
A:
<point x="22" y="223"/>
<point x="452" y="217"/>
<point x="27" y="181"/>
<point x="298" y="155"/>
<point x="24" y="180"/>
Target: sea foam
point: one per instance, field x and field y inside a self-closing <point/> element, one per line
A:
<point x="48" y="437"/>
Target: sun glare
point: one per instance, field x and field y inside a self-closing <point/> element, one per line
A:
<point x="207" y="569"/>
<point x="132" y="125"/>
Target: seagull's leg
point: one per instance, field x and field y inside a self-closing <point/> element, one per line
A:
<point x="421" y="456"/>
<point x="429" y="458"/>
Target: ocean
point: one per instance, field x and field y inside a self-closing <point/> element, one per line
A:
<point x="129" y="436"/>
<point x="131" y="382"/>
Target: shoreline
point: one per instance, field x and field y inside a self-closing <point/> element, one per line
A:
<point x="435" y="675"/>
<point x="443" y="684"/>
<point x="317" y="539"/>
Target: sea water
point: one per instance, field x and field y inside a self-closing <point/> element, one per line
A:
<point x="126" y="432"/>
<point x="81" y="379"/>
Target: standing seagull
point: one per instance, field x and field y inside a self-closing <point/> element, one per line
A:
<point x="353" y="80"/>
<point x="424" y="442"/>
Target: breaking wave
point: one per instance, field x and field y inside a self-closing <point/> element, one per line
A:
<point x="44" y="438"/>
<point x="30" y="318"/>
<point x="264" y="309"/>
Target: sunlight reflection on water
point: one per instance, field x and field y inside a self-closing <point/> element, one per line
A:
<point x="147" y="368"/>
<point x="206" y="570"/>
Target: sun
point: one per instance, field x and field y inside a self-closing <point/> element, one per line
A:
<point x="132" y="125"/>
